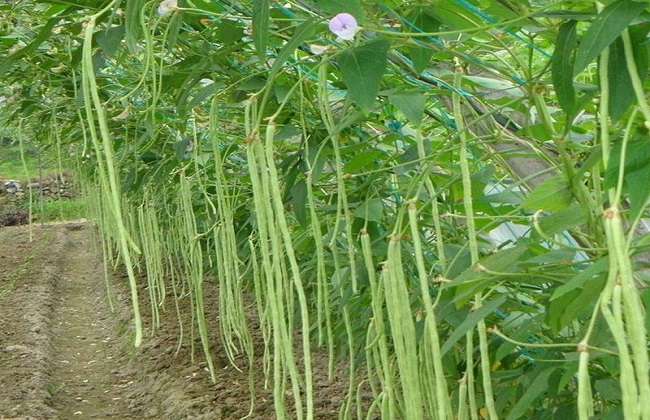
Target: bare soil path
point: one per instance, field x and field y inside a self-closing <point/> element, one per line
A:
<point x="59" y="353"/>
<point x="65" y="355"/>
<point x="86" y="376"/>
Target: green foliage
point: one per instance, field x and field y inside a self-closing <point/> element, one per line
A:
<point x="552" y="194"/>
<point x="607" y="26"/>
<point x="380" y="195"/>
<point x="362" y="69"/>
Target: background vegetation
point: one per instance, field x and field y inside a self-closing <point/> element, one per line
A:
<point x="452" y="202"/>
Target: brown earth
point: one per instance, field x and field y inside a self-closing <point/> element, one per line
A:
<point x="64" y="354"/>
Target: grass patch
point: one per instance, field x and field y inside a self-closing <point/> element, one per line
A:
<point x="59" y="210"/>
<point x="11" y="165"/>
<point x="52" y="210"/>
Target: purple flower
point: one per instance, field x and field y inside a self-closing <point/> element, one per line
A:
<point x="344" y="25"/>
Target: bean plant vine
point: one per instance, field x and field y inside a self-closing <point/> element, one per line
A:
<point x="449" y="199"/>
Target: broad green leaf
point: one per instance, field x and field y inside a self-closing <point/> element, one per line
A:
<point x="30" y="48"/>
<point x="458" y="259"/>
<point x="609" y="389"/>
<point x="205" y="93"/>
<point x="303" y="31"/>
<point x="496" y="84"/>
<point x="552" y="257"/>
<point x="521" y="332"/>
<point x="562" y="67"/>
<point x="637" y="157"/>
<point x="551" y="195"/>
<point x="371" y="210"/>
<point x="334" y="7"/>
<point x="638" y="189"/>
<point x="470" y="322"/>
<point x="134" y="9"/>
<point x="473" y="280"/>
<point x="361" y="160"/>
<point x="423" y="21"/>
<point x="209" y="6"/>
<point x="561" y="220"/>
<point x="533" y="391"/>
<point x="229" y="32"/>
<point x="540" y="132"/>
<point x="299" y="201"/>
<point x="503" y="197"/>
<point x="573" y="303"/>
<point x="618" y="79"/>
<point x="411" y="104"/>
<point x="604" y="30"/>
<point x="576" y="296"/>
<point x="261" y="17"/>
<point x="500" y="261"/>
<point x="645" y="297"/>
<point x="579" y="281"/>
<point x="637" y="173"/>
<point x="362" y="69"/>
<point x="420" y="57"/>
<point x="452" y="16"/>
<point x="110" y="39"/>
<point x="565" y="14"/>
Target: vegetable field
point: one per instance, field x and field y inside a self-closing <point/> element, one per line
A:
<point x="439" y="206"/>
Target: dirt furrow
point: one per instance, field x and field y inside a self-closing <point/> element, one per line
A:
<point x="65" y="355"/>
<point x="86" y="378"/>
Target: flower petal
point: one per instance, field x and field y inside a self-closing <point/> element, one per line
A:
<point x="344" y="25"/>
<point x="167" y="6"/>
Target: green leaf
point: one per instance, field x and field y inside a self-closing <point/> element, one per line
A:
<point x="205" y="93"/>
<point x="473" y="280"/>
<point x="551" y="257"/>
<point x="604" y="30"/>
<point x="638" y="188"/>
<point x="565" y="14"/>
<point x="208" y="6"/>
<point x="562" y="67"/>
<point x="261" y="18"/>
<point x="471" y="321"/>
<point x="609" y="389"/>
<point x="361" y="160"/>
<point x="362" y="69"/>
<point x="458" y="259"/>
<point x="303" y="31"/>
<point x="560" y="221"/>
<point x="134" y="9"/>
<point x="519" y="331"/>
<point x="299" y="202"/>
<point x="572" y="303"/>
<point x="420" y="56"/>
<point x="645" y="297"/>
<point x="30" y="48"/>
<point x="551" y="195"/>
<point x="229" y="32"/>
<point x="411" y="104"/>
<point x="580" y="279"/>
<point x="334" y="7"/>
<point x="618" y="77"/>
<point x="422" y="20"/>
<point x="637" y="173"/>
<point x="371" y="210"/>
<point x="110" y="39"/>
<point x="495" y="84"/>
<point x="533" y="391"/>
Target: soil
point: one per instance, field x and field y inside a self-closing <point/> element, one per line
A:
<point x="65" y="354"/>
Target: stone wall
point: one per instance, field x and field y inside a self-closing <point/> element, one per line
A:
<point x="53" y="187"/>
